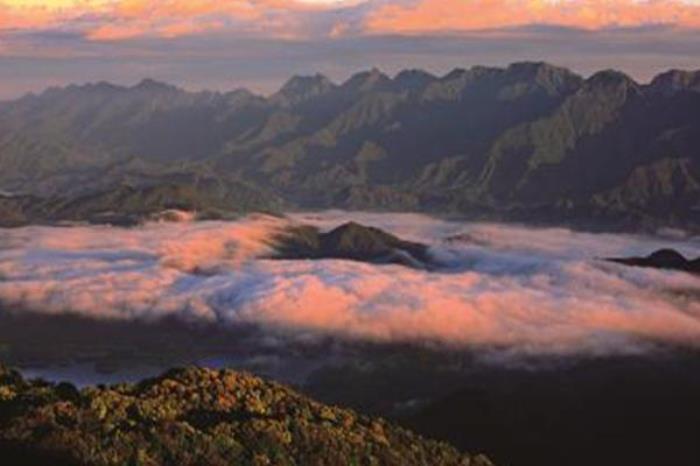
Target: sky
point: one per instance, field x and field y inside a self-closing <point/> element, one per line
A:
<point x="225" y="44"/>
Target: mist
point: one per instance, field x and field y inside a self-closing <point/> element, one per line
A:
<point x="524" y="289"/>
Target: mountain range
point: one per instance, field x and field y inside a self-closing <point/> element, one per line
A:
<point x="527" y="142"/>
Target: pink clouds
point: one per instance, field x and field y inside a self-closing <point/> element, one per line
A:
<point x="527" y="290"/>
<point x="103" y="20"/>
<point x="464" y="15"/>
<point x="123" y="19"/>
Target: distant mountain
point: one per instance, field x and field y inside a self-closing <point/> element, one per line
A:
<point x="196" y="417"/>
<point x="527" y="142"/>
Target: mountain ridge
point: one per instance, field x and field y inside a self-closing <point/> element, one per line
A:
<point x="527" y="141"/>
<point x="677" y="78"/>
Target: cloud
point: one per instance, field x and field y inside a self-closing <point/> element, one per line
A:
<point x="526" y="290"/>
<point x="121" y="19"/>
<point x="467" y="15"/>
<point x="104" y="20"/>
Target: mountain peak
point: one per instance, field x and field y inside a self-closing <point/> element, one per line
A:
<point x="613" y="81"/>
<point x="239" y="96"/>
<point x="369" y="80"/>
<point x="611" y="77"/>
<point x="413" y="79"/>
<point x="105" y="86"/>
<point x="151" y="85"/>
<point x="553" y="78"/>
<point x="529" y="67"/>
<point x="302" y="88"/>
<point x="674" y="81"/>
<point x="304" y="82"/>
<point x="537" y="69"/>
<point x="101" y="87"/>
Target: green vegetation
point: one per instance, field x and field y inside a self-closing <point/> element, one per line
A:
<point x="200" y="416"/>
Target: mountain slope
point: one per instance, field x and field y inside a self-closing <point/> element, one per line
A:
<point x="530" y="141"/>
<point x="129" y="203"/>
<point x="199" y="416"/>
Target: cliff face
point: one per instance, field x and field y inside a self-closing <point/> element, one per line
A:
<point x="198" y="416"/>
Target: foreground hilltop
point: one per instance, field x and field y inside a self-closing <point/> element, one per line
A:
<point x="527" y="142"/>
<point x="198" y="416"/>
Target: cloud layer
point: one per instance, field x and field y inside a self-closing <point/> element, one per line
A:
<point x="122" y="19"/>
<point x="461" y="15"/>
<point x="529" y="290"/>
<point x="119" y="19"/>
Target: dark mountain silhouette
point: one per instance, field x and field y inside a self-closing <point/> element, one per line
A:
<point x="528" y="142"/>
<point x="610" y="411"/>
<point x="351" y="241"/>
<point x="667" y="259"/>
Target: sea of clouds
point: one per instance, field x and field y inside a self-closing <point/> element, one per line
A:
<point x="535" y="290"/>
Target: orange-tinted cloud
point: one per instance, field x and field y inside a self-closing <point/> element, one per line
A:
<point x="461" y="15"/>
<point x="171" y="18"/>
<point x="119" y="19"/>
